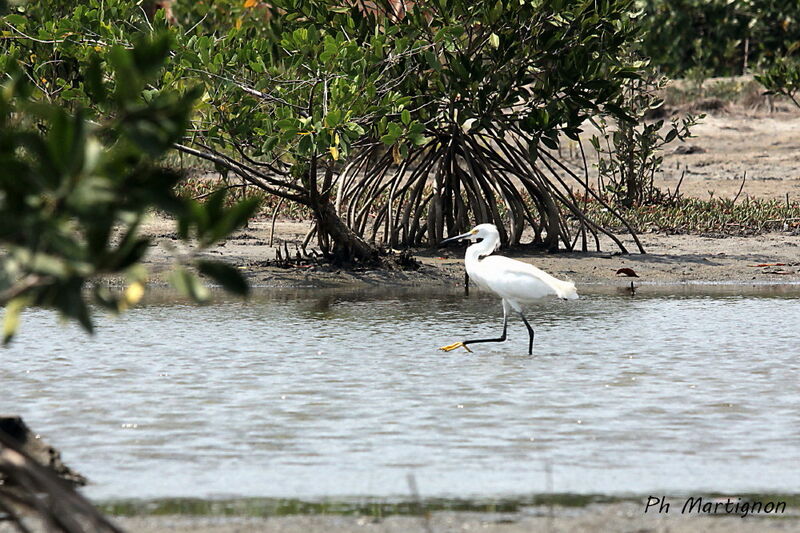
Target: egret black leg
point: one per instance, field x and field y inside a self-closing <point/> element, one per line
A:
<point x="530" y="333"/>
<point x="501" y="338"/>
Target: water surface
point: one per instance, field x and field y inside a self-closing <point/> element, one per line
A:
<point x="319" y="394"/>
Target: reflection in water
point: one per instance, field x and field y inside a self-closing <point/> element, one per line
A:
<point x="329" y="393"/>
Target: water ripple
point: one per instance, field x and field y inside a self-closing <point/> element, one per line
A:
<point x="334" y="394"/>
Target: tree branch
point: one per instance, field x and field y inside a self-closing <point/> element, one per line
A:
<point x="249" y="174"/>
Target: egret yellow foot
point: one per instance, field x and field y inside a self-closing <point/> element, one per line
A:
<point x="451" y="347"/>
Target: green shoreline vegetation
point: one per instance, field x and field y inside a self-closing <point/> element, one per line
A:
<point x="721" y="216"/>
<point x="383" y="507"/>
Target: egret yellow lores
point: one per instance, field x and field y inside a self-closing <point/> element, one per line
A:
<point x="517" y="283"/>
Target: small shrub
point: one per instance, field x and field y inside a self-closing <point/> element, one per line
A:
<point x="629" y="152"/>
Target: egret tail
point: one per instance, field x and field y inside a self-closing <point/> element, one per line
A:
<point x="565" y="290"/>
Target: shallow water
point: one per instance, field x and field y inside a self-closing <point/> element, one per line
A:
<point x="310" y="393"/>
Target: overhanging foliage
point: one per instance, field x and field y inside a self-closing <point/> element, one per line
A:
<point x="74" y="191"/>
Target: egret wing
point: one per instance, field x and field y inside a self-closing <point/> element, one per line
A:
<point x="521" y="281"/>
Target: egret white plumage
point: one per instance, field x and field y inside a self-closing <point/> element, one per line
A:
<point x="517" y="283"/>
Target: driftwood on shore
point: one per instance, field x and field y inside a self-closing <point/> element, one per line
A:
<point x="37" y="491"/>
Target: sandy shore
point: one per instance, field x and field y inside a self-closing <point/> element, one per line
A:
<point x="670" y="259"/>
<point x="727" y="146"/>
<point x="595" y="518"/>
<point x="612" y="517"/>
<point x="622" y="516"/>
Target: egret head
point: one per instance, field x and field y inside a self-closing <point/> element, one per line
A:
<point x="480" y="233"/>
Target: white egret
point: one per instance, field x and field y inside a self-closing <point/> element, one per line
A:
<point x="517" y="283"/>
